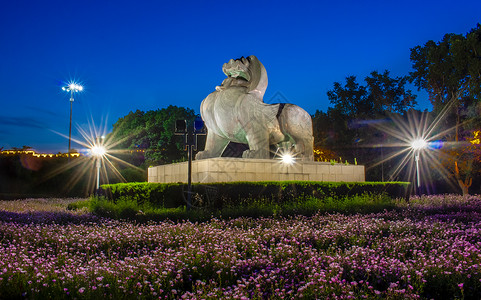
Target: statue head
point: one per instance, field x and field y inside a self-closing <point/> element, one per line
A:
<point x="248" y="72"/>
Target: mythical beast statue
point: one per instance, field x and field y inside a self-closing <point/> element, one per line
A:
<point x="236" y="112"/>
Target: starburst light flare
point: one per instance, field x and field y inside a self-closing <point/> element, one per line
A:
<point x="419" y="144"/>
<point x="415" y="132"/>
<point x="285" y="153"/>
<point x="99" y="151"/>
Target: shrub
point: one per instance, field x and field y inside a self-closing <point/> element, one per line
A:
<point x="77" y="205"/>
<point x="233" y="194"/>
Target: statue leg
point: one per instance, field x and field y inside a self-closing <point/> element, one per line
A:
<point x="258" y="141"/>
<point x="297" y="124"/>
<point x="214" y="146"/>
<point x="305" y="147"/>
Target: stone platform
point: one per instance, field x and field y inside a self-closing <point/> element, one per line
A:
<point x="224" y="169"/>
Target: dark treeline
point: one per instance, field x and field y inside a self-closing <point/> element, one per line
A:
<point x="24" y="175"/>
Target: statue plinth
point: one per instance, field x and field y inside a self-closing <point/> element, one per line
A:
<point x="223" y="169"/>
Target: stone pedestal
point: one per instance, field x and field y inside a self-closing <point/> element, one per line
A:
<point x="224" y="169"/>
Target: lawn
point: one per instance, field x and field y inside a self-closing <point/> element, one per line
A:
<point x="427" y="248"/>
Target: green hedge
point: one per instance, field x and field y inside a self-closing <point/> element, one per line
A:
<point x="220" y="195"/>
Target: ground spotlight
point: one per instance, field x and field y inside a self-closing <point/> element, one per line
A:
<point x="287" y="159"/>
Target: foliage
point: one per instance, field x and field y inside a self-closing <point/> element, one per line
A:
<point x="430" y="249"/>
<point x="153" y="132"/>
<point x="323" y="154"/>
<point x="220" y="195"/>
<point x="463" y="159"/>
<point x="450" y="71"/>
<point x="126" y="208"/>
<point x="133" y="174"/>
<point x="449" y="67"/>
<point x="381" y="95"/>
<point x="157" y="194"/>
<point x="346" y="126"/>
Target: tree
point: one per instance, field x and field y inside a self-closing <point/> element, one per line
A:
<point x="389" y="95"/>
<point x="153" y="132"/>
<point x="350" y="99"/>
<point x="450" y="71"/>
<point x="345" y="127"/>
<point x="381" y="95"/>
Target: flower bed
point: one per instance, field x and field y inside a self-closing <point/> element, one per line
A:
<point x="430" y="249"/>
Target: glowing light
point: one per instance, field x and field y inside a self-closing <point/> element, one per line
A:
<point x="436" y="145"/>
<point x="286" y="154"/>
<point x="412" y="134"/>
<point x="98" y="150"/>
<point x="419" y="144"/>
<point x="287" y="159"/>
<point x="98" y="155"/>
<point x="476" y="140"/>
<point x="73" y="87"/>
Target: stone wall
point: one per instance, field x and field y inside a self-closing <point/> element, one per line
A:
<point x="240" y="169"/>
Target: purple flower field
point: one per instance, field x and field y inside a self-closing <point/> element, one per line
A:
<point x="429" y="248"/>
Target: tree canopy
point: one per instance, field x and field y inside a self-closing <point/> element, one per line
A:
<point x="153" y="132"/>
<point x="450" y="68"/>
<point x="345" y="129"/>
<point x="381" y="95"/>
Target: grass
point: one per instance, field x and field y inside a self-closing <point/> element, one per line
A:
<point x="126" y="208"/>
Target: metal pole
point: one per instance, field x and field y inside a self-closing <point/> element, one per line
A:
<point x="70" y="125"/>
<point x="417" y="172"/>
<point x="382" y="164"/>
<point x="98" y="174"/>
<point x="189" y="179"/>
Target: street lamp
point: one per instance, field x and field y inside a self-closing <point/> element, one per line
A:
<point x="417" y="145"/>
<point x="72" y="88"/>
<point x="190" y="144"/>
<point x="98" y="150"/>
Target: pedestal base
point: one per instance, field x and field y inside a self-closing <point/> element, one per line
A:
<point x="223" y="169"/>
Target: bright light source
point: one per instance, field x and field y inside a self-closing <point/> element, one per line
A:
<point x="287" y="159"/>
<point x="98" y="150"/>
<point x="419" y="144"/>
<point x="73" y="87"/>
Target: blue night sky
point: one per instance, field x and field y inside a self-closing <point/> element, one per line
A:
<point x="147" y="55"/>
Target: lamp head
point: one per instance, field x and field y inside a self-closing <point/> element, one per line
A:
<point x="180" y="126"/>
<point x="73" y="87"/>
<point x="98" y="150"/>
<point x="419" y="144"/>
<point x="199" y="125"/>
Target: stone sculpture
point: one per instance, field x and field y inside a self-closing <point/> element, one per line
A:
<point x="236" y="112"/>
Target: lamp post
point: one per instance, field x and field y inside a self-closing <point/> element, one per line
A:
<point x="72" y="88"/>
<point x="190" y="144"/>
<point x="417" y="145"/>
<point x="98" y="150"/>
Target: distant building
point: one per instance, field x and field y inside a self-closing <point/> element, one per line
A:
<point x="35" y="154"/>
